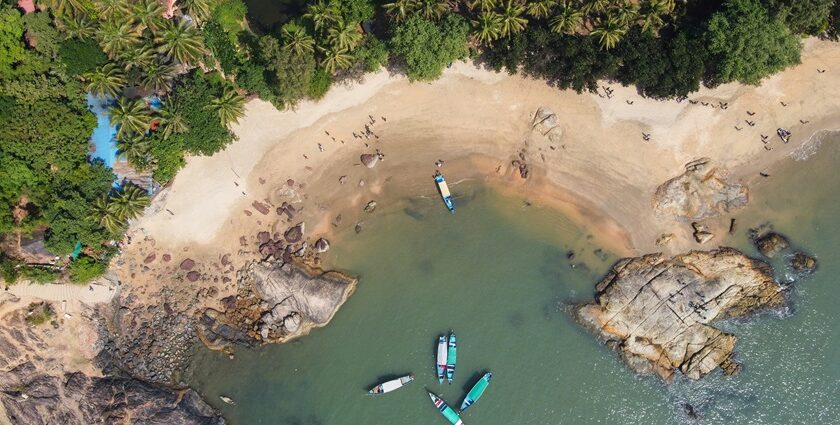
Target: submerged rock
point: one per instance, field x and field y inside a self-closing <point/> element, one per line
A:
<point x="656" y="311"/>
<point x="370" y="206"/>
<point x="702" y="191"/>
<point x="321" y="245"/>
<point x="771" y="244"/>
<point x="803" y="263"/>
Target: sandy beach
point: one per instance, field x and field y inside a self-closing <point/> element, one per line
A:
<point x="600" y="171"/>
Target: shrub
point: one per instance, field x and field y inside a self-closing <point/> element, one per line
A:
<point x="230" y="14"/>
<point x="81" y="56"/>
<point x="319" y="84"/>
<point x="39" y="274"/>
<point x="85" y="268"/>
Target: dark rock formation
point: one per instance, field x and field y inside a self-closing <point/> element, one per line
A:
<point x="321" y="245"/>
<point x="803" y="263"/>
<point x="656" y="311"/>
<point x="276" y="302"/>
<point x="187" y="264"/>
<point x="771" y="244"/>
<point x="295" y="233"/>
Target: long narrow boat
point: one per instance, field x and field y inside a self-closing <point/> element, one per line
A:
<point x="441" y="358"/>
<point x="444" y="192"/>
<point x="451" y="357"/>
<point x="476" y="391"/>
<point x="449" y="413"/>
<point x="391" y="385"/>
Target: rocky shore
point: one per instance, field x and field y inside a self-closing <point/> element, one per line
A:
<point x="657" y="312"/>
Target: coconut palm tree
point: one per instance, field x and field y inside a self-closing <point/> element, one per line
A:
<point x="157" y="77"/>
<point x="335" y="59"/>
<point x="609" y="32"/>
<point x="625" y="13"/>
<point x="487" y="27"/>
<point x="64" y="8"/>
<point x="322" y="14"/>
<point x="115" y="38"/>
<point x="137" y="56"/>
<point x="129" y="203"/>
<point x="102" y="215"/>
<point x="595" y="6"/>
<point x="541" y="8"/>
<point x="296" y="40"/>
<point x="400" y="10"/>
<point x="344" y="36"/>
<point x="511" y="18"/>
<point x="111" y="9"/>
<point x="78" y="26"/>
<point x="230" y="106"/>
<point x="182" y="42"/>
<point x="171" y="122"/>
<point x="483" y="5"/>
<point x="107" y="80"/>
<point x="653" y="12"/>
<point x="149" y="15"/>
<point x="432" y="9"/>
<point x="197" y="9"/>
<point x="135" y="149"/>
<point x="567" y="19"/>
<point x="131" y="116"/>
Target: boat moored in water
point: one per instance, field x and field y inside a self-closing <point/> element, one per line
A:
<point x="476" y="391"/>
<point x="391" y="385"/>
<point x="449" y="413"/>
<point x="443" y="188"/>
<point x="441" y="358"/>
<point x="451" y="357"/>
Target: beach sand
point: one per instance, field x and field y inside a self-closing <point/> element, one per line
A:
<point x="600" y="172"/>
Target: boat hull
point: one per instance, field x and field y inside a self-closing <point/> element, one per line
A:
<point x="391" y="385"/>
<point x="443" y="189"/>
<point x="441" y="358"/>
<point x="451" y="357"/>
<point x="477" y="391"/>
<point x="449" y="413"/>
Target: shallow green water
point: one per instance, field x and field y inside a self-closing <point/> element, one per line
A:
<point x="497" y="274"/>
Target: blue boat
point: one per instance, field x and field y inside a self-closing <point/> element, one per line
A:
<point x="451" y="354"/>
<point x="444" y="192"/>
<point x="477" y="391"/>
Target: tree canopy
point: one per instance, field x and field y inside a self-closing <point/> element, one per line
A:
<point x="427" y="47"/>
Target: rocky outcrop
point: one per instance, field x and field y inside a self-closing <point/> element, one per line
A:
<point x="656" y="311"/>
<point x="803" y="263"/>
<point x="275" y="302"/>
<point x="771" y="244"/>
<point x="546" y="123"/>
<point x="702" y="191"/>
<point x="38" y="386"/>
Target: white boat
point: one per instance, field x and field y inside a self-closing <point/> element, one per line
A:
<point x="442" y="351"/>
<point x="227" y="400"/>
<point x="394" y="384"/>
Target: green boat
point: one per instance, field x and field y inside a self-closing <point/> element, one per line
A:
<point x="451" y="357"/>
<point x="449" y="413"/>
<point x="476" y="391"/>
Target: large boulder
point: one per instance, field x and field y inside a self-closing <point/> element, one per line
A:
<point x="656" y="311"/>
<point x="771" y="244"/>
<point x="369" y="160"/>
<point x="803" y="263"/>
<point x="701" y="191"/>
<point x="295" y="233"/>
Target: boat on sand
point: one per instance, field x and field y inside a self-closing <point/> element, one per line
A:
<point x="444" y="192"/>
<point x="449" y="413"/>
<point x="451" y="356"/>
<point x="476" y="391"/>
<point x="441" y="358"/>
<point x="391" y="385"/>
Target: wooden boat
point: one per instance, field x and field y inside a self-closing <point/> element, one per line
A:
<point x="444" y="192"/>
<point x="391" y="385"/>
<point x="441" y="358"/>
<point x="476" y="391"/>
<point x="451" y="357"/>
<point x="449" y="413"/>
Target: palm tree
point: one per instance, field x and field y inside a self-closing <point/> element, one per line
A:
<point x="484" y="5"/>
<point x="595" y="6"/>
<point x="129" y="203"/>
<point x="567" y="20"/>
<point x="511" y="18"/>
<point x="108" y="9"/>
<point x="137" y="56"/>
<point x="64" y="8"/>
<point x="344" y="36"/>
<point x="102" y="215"/>
<point x="116" y="38"/>
<point x="400" y="10"/>
<point x="197" y="9"/>
<point x="335" y="59"/>
<point x="135" y="149"/>
<point x="487" y="27"/>
<point x="230" y="106"/>
<point x="78" y="26"/>
<point x="432" y="9"/>
<point x="322" y="14"/>
<point x="541" y="8"/>
<point x="609" y="32"/>
<point x="131" y="116"/>
<point x="652" y="13"/>
<point x="158" y="77"/>
<point x="625" y="13"/>
<point x="171" y="122"/>
<point x="107" y="80"/>
<point x="149" y="15"/>
<point x="181" y="42"/>
<point x="296" y="40"/>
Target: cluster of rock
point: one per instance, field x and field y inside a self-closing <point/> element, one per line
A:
<point x="656" y="311"/>
<point x="770" y="244"/>
<point x="702" y="191"/>
<point x="37" y="389"/>
<point x="275" y="302"/>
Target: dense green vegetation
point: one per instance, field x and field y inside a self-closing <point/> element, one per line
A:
<point x="205" y="59"/>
